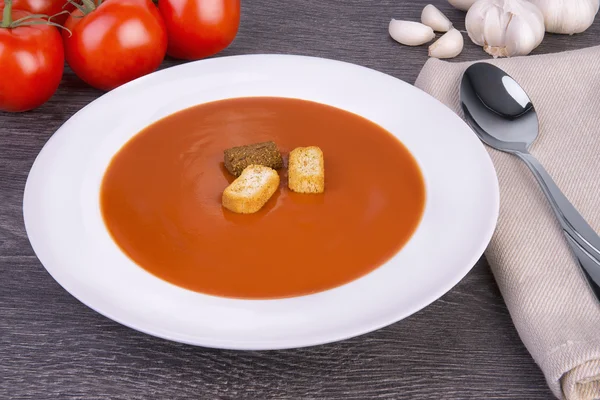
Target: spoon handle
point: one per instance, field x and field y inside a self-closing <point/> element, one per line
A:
<point x="583" y="240"/>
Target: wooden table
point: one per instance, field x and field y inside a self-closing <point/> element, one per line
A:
<point x="462" y="346"/>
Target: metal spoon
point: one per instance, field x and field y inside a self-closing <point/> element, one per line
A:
<point x="502" y="115"/>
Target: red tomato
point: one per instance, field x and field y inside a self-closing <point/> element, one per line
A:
<point x="199" y="28"/>
<point x="32" y="62"/>
<point x="118" y="41"/>
<point x="47" y="7"/>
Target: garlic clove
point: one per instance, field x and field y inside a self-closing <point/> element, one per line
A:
<point x="435" y="19"/>
<point x="568" y="16"/>
<point x="521" y="37"/>
<point x="448" y="46"/>
<point x="462" y="4"/>
<point x="485" y="24"/>
<point x="505" y="28"/>
<point x="410" y="33"/>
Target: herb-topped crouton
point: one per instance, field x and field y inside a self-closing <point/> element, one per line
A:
<point x="306" y="170"/>
<point x="251" y="190"/>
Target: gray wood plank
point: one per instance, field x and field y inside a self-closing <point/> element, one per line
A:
<point x="463" y="346"/>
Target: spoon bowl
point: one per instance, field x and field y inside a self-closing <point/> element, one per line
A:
<point x="498" y="109"/>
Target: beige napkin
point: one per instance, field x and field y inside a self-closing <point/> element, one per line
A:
<point x="550" y="303"/>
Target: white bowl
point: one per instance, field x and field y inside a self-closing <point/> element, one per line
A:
<point x="66" y="230"/>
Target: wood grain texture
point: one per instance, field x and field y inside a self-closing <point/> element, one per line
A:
<point x="463" y="346"/>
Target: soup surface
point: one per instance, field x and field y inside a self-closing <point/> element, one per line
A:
<point x="161" y="200"/>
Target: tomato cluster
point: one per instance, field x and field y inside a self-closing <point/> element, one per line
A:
<point x="106" y="43"/>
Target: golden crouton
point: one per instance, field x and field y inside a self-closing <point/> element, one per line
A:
<point x="306" y="170"/>
<point x="251" y="190"/>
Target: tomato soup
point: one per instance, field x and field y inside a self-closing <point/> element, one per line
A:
<point x="161" y="200"/>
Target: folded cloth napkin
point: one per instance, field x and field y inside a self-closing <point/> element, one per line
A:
<point x="551" y="304"/>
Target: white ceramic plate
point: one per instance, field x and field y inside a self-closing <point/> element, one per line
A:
<point x="65" y="227"/>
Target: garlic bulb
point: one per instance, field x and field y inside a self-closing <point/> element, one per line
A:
<point x="435" y="19"/>
<point x="568" y="16"/>
<point x="505" y="28"/>
<point x="462" y="4"/>
<point x="448" y="46"/>
<point x="410" y="33"/>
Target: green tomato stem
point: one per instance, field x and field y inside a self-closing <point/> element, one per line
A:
<point x="7" y="14"/>
<point x="77" y="6"/>
<point x="18" y="22"/>
<point x="88" y="5"/>
<point x="28" y="20"/>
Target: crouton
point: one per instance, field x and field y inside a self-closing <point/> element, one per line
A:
<point x="238" y="158"/>
<point x="251" y="190"/>
<point x="306" y="170"/>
